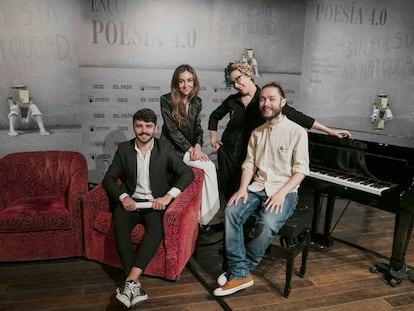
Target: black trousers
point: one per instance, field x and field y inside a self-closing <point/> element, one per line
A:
<point x="229" y="172"/>
<point x="124" y="222"/>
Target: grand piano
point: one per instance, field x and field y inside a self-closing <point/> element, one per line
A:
<point x="374" y="174"/>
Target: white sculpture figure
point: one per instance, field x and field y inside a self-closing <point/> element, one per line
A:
<point x="23" y="113"/>
<point x="248" y="57"/>
<point x="381" y="112"/>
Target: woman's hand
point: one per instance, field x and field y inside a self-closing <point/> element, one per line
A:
<point x="197" y="154"/>
<point x="201" y="156"/>
<point x="216" y="144"/>
<point x="340" y="133"/>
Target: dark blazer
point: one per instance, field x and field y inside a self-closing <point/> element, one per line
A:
<point x="163" y="160"/>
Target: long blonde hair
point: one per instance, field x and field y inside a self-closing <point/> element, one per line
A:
<point x="178" y="110"/>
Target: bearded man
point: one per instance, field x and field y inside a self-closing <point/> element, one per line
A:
<point x="142" y="164"/>
<point x="277" y="161"/>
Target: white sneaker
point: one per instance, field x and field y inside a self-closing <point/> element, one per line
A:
<point x="222" y="279"/>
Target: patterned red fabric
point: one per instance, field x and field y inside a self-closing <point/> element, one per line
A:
<point x="40" y="205"/>
<point x="35" y="214"/>
<point x="180" y="231"/>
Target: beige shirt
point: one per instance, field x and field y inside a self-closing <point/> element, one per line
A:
<point x="275" y="152"/>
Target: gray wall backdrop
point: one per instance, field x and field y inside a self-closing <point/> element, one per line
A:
<point x="90" y="65"/>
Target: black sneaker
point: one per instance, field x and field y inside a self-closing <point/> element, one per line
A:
<point x="131" y="293"/>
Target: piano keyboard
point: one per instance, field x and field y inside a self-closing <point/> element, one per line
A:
<point x="365" y="184"/>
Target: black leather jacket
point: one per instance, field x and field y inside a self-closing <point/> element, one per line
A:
<point x="181" y="138"/>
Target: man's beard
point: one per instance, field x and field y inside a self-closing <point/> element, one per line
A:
<point x="275" y="114"/>
<point x="147" y="139"/>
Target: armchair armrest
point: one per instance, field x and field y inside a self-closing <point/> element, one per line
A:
<point x="94" y="201"/>
<point x="77" y="187"/>
<point x="181" y="226"/>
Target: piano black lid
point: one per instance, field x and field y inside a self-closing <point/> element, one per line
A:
<point x="363" y="158"/>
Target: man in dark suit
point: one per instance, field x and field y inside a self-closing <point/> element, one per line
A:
<point x="142" y="164"/>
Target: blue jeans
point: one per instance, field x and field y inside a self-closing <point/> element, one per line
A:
<point x="242" y="258"/>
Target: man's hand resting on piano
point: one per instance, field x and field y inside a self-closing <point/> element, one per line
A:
<point x="332" y="132"/>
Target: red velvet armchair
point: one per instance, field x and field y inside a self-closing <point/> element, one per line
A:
<point x="180" y="231"/>
<point x="41" y="205"/>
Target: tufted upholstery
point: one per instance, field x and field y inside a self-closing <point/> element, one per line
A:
<point x="180" y="231"/>
<point x="40" y="205"/>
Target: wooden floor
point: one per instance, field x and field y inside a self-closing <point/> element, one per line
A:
<point x="337" y="278"/>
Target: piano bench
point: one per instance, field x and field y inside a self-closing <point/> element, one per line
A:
<point x="295" y="237"/>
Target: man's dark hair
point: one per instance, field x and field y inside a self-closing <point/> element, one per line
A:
<point x="146" y="115"/>
<point x="277" y="86"/>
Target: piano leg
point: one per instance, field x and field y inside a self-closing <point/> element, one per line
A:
<point x="324" y="239"/>
<point x="402" y="233"/>
<point x="316" y="216"/>
<point x="330" y="205"/>
<point x="397" y="270"/>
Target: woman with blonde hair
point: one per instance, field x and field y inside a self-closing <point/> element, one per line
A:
<point x="180" y="110"/>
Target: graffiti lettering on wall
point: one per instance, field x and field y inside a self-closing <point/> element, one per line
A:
<point x="25" y="45"/>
